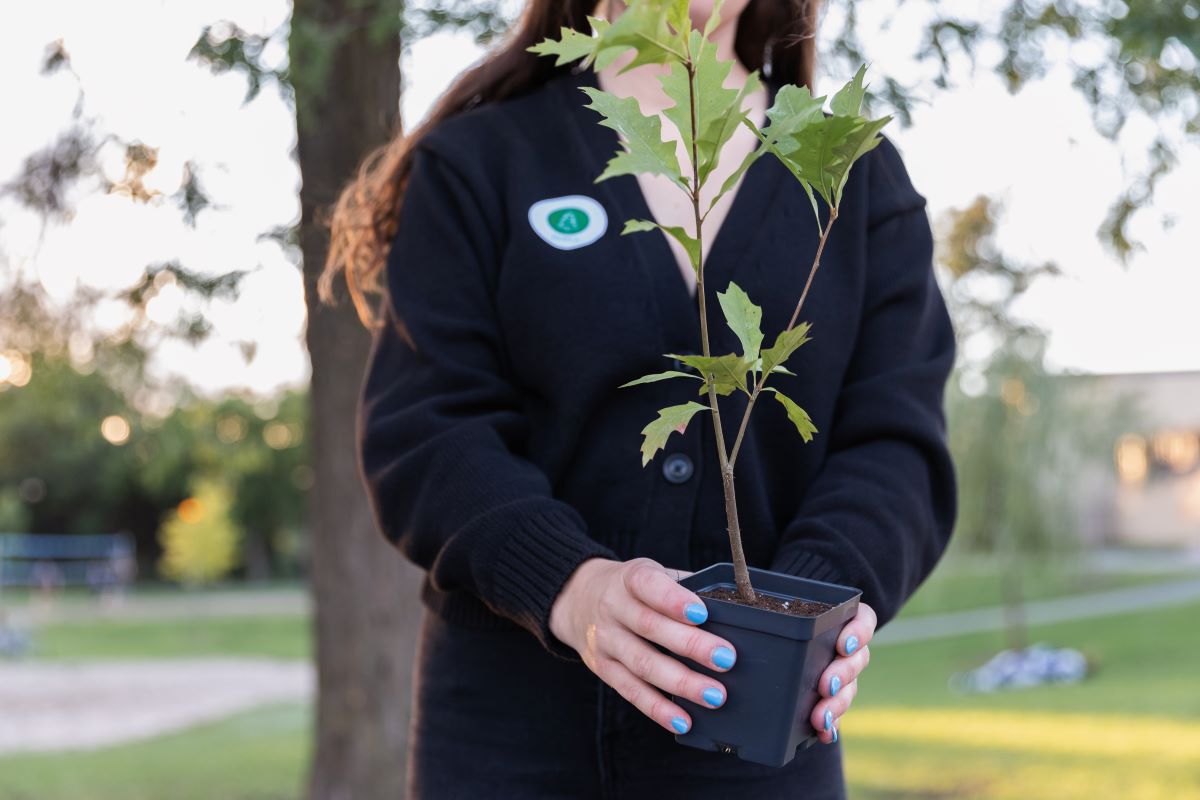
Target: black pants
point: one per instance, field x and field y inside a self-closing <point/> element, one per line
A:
<point x="496" y="717"/>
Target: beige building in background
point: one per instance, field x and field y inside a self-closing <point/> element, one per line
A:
<point x="1149" y="494"/>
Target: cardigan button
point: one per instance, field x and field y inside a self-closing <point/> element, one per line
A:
<point x="677" y="468"/>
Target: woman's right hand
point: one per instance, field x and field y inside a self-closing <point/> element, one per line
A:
<point x="608" y="609"/>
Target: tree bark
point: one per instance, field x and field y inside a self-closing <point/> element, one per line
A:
<point x="365" y="593"/>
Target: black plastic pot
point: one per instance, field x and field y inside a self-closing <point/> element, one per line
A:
<point x="772" y="687"/>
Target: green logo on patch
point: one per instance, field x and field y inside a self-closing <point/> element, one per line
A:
<point x="568" y="222"/>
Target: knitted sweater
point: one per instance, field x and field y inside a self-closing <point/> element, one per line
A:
<point x="496" y="447"/>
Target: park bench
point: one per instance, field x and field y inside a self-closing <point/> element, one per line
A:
<point x="104" y="562"/>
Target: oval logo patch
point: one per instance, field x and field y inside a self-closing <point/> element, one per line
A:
<point x="568" y="222"/>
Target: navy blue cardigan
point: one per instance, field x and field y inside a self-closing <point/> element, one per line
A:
<point x="496" y="447"/>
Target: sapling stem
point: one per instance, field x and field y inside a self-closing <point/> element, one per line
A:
<point x="741" y="574"/>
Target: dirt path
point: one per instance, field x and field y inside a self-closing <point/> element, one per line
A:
<point x="52" y="706"/>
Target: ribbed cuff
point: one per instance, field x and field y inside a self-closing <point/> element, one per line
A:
<point x="532" y="565"/>
<point x="796" y="559"/>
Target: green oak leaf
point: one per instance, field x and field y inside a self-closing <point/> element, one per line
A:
<point x="670" y="420"/>
<point x="604" y="54"/>
<point x="720" y="130"/>
<point x="859" y="144"/>
<point x="573" y="45"/>
<point x="794" y="110"/>
<point x="782" y="370"/>
<point x="691" y="245"/>
<point x="796" y="414"/>
<point x="705" y="90"/>
<point x="646" y="27"/>
<point x="823" y="153"/>
<point x="645" y="151"/>
<point x="821" y="150"/>
<point x="847" y="101"/>
<point x="725" y="373"/>
<point x="744" y="319"/>
<point x="786" y="343"/>
<point x="660" y="376"/>
<point x="678" y="18"/>
<point x="714" y="18"/>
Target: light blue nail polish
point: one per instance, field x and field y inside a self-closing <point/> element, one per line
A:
<point x="714" y="696"/>
<point x="834" y="685"/>
<point x="828" y="718"/>
<point x="851" y="644"/>
<point x="696" y="612"/>
<point x="835" y="734"/>
<point x="723" y="657"/>
<point x="680" y="724"/>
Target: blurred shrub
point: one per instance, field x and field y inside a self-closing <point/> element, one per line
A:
<point x="199" y="538"/>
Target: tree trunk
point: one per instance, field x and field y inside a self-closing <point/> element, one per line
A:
<point x="365" y="592"/>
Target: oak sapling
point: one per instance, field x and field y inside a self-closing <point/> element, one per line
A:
<point x="817" y="147"/>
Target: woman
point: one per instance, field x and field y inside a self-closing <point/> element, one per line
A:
<point x="500" y="455"/>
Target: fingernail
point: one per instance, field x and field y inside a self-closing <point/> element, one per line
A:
<point x="696" y="612"/>
<point x="834" y="735"/>
<point x="714" y="696"/>
<point x="834" y="685"/>
<point x="828" y="718"/>
<point x="680" y="724"/>
<point x="723" y="657"/>
<point x="851" y="644"/>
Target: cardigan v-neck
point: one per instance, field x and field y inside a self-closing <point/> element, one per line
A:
<point x="749" y="211"/>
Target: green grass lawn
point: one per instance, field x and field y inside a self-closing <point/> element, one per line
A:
<point x="258" y="755"/>
<point x="277" y="636"/>
<point x="1131" y="730"/>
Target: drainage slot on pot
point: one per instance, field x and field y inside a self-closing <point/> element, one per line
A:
<point x="728" y="749"/>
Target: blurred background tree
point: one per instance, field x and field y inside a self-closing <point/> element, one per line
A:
<point x="1020" y="435"/>
<point x="91" y="412"/>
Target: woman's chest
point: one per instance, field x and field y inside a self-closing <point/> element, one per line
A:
<point x="575" y="297"/>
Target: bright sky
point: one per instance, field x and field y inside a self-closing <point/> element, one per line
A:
<point x="1055" y="178"/>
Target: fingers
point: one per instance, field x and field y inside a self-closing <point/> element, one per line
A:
<point x="648" y="581"/>
<point x="644" y="697"/>
<point x="663" y="623"/>
<point x="843" y="671"/>
<point x="664" y="672"/>
<point x="839" y="683"/>
<point x="857" y="632"/>
<point x="831" y="710"/>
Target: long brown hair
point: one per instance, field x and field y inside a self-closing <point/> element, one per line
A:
<point x="776" y="37"/>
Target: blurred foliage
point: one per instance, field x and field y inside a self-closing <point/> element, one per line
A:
<point x="200" y="541"/>
<point x="90" y="443"/>
<point x="1124" y="57"/>
<point x="1021" y="440"/>
<point x="1021" y="436"/>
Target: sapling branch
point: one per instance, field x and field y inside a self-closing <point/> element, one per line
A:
<point x="762" y="379"/>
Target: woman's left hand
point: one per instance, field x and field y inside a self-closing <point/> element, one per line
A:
<point x="839" y="682"/>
